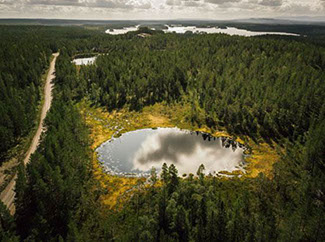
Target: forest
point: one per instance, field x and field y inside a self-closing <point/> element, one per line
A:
<point x="235" y="82"/>
<point x="20" y="80"/>
<point x="269" y="89"/>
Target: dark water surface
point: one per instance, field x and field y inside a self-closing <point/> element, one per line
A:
<point x="136" y="152"/>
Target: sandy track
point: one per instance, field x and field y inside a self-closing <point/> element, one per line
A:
<point x="8" y="194"/>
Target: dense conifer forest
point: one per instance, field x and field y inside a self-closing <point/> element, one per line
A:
<point x="235" y="82"/>
<point x="269" y="89"/>
<point x="20" y="80"/>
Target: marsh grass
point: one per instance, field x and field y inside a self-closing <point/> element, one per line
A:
<point x="104" y="125"/>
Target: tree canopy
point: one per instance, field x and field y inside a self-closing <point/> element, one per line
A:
<point x="268" y="88"/>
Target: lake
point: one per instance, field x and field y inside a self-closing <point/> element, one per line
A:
<point x="135" y="153"/>
<point x="122" y="31"/>
<point x="196" y="30"/>
<point x="216" y="30"/>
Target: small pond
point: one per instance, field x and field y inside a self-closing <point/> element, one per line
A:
<point x="84" y="61"/>
<point x="122" y="31"/>
<point x="135" y="153"/>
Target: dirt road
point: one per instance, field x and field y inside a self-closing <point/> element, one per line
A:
<point x="8" y="194"/>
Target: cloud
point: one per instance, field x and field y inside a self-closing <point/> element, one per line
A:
<point x="174" y="2"/>
<point x="271" y="3"/>
<point x="219" y="2"/>
<point x="192" y="3"/>
<point x="186" y="3"/>
<point x="322" y="2"/>
<point x="186" y="151"/>
<point x="55" y="2"/>
<point x="108" y="4"/>
<point x="7" y="2"/>
<point x="297" y="9"/>
<point x="118" y="4"/>
<point x="159" y="9"/>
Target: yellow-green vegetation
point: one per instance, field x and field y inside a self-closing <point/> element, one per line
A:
<point x="103" y="125"/>
<point x="261" y="159"/>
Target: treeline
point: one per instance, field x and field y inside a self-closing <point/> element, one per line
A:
<point x="262" y="87"/>
<point x="23" y="60"/>
<point x="56" y="195"/>
<point x="24" y="56"/>
<point x="289" y="207"/>
<point x="254" y="86"/>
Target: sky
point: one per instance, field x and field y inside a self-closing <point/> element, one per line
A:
<point x="160" y="9"/>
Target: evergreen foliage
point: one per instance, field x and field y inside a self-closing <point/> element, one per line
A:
<point x="271" y="88"/>
<point x="260" y="87"/>
<point x="22" y="62"/>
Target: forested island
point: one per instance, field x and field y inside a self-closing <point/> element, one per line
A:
<point x="266" y="93"/>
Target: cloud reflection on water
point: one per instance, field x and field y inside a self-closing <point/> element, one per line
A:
<point x="141" y="150"/>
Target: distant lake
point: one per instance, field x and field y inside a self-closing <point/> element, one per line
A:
<point x="122" y="31"/>
<point x="197" y="30"/>
<point x="216" y="30"/>
<point x="85" y="61"/>
<point x="136" y="152"/>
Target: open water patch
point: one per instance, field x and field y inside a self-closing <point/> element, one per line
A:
<point x="135" y="153"/>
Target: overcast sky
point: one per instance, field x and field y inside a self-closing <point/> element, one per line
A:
<point x="159" y="9"/>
